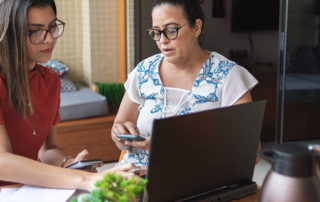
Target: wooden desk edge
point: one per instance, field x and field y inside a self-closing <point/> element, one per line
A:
<point x="250" y="198"/>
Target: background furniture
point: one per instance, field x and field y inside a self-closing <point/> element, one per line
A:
<point x="86" y="124"/>
<point x="93" y="134"/>
<point x="82" y="103"/>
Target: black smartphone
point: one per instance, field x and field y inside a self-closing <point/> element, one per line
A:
<point x="129" y="137"/>
<point x="84" y="164"/>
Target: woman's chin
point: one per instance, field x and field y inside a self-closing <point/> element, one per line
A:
<point x="44" y="59"/>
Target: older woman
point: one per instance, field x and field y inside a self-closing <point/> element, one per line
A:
<point x="183" y="78"/>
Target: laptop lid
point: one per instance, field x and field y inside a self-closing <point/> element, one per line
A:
<point x="203" y="151"/>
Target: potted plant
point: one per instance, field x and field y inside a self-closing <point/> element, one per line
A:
<point x="114" y="187"/>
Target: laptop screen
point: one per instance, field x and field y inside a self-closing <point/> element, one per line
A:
<point x="203" y="151"/>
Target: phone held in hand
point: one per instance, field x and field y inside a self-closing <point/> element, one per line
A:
<point x="84" y="164"/>
<point x="129" y="137"/>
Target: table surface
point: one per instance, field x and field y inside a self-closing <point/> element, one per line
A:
<point x="250" y="198"/>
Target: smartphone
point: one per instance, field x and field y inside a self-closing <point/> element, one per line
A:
<point x="129" y="137"/>
<point x="84" y="164"/>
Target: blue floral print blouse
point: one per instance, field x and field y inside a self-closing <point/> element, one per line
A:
<point x="219" y="83"/>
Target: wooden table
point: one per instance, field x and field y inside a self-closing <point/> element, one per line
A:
<point x="250" y="198"/>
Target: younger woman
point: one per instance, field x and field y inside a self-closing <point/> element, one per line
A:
<point x="30" y="99"/>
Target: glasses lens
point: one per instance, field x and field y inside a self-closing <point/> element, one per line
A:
<point x="38" y="36"/>
<point x="154" y="34"/>
<point x="171" y="33"/>
<point x="56" y="31"/>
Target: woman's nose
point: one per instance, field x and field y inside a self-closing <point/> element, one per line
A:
<point x="163" y="38"/>
<point x="48" y="38"/>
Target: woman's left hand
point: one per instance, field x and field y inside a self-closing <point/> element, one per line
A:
<point x="84" y="155"/>
<point x="140" y="144"/>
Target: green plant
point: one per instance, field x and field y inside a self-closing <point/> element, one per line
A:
<point x="113" y="91"/>
<point x="115" y="188"/>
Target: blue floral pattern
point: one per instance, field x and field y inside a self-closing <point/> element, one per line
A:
<point x="145" y="87"/>
<point x="148" y="75"/>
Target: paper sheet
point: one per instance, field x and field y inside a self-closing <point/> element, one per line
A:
<point x="7" y="192"/>
<point x="35" y="194"/>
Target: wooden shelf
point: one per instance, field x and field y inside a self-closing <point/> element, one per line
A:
<point x="93" y="134"/>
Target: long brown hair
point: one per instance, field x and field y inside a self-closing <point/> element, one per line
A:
<point x="13" y="52"/>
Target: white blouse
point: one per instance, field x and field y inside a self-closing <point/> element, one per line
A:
<point x="220" y="83"/>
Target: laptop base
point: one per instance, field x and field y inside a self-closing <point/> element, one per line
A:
<point x="226" y="194"/>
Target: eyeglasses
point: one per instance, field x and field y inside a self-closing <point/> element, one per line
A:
<point x="170" y="33"/>
<point x="38" y="36"/>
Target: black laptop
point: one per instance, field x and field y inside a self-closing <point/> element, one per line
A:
<point x="205" y="156"/>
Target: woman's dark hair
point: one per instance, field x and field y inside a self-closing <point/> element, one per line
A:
<point x="192" y="10"/>
<point x="13" y="52"/>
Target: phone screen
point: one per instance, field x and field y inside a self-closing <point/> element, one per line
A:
<point x="129" y="137"/>
<point x="84" y="164"/>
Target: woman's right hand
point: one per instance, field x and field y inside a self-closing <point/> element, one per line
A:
<point x="123" y="128"/>
<point x="123" y="170"/>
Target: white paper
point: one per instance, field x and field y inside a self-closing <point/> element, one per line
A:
<point x="7" y="192"/>
<point x="37" y="194"/>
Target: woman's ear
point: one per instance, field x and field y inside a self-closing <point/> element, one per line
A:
<point x="197" y="28"/>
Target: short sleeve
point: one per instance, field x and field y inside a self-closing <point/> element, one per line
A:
<point x="132" y="87"/>
<point x="57" y="116"/>
<point x="1" y="114"/>
<point x="57" y="119"/>
<point x="237" y="83"/>
<point x="1" y="101"/>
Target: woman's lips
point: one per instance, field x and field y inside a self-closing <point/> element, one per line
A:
<point x="47" y="51"/>
<point x="167" y="51"/>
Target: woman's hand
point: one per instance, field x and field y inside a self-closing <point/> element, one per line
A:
<point x="123" y="170"/>
<point x="83" y="155"/>
<point x="123" y="128"/>
<point x="128" y="128"/>
<point x="139" y="144"/>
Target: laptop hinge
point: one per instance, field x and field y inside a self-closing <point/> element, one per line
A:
<point x="224" y="194"/>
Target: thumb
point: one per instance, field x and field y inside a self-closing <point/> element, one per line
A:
<point x="83" y="155"/>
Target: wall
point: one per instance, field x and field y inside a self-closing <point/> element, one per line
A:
<point x="89" y="44"/>
<point x="147" y="46"/>
<point x="69" y="47"/>
<point x="219" y="38"/>
<point x="131" y="24"/>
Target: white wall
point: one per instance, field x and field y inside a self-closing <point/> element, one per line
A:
<point x="219" y="38"/>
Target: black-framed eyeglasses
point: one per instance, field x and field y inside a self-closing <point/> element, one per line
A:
<point x="38" y="36"/>
<point x="170" y="33"/>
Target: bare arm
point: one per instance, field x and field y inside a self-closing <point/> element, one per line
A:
<point x="125" y="121"/>
<point x="49" y="153"/>
<point x="15" y="168"/>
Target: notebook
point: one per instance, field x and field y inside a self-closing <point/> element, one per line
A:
<point x="205" y="156"/>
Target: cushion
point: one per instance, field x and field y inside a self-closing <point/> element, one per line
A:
<point x="56" y="65"/>
<point x="83" y="103"/>
<point x="67" y="85"/>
